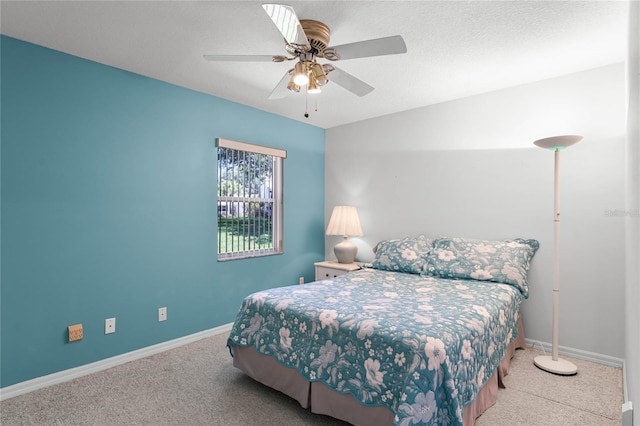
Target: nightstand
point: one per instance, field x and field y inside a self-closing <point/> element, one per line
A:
<point x="331" y="269"/>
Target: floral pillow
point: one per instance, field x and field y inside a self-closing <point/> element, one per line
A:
<point x="404" y="255"/>
<point x="499" y="261"/>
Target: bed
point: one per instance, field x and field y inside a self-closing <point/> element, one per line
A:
<point x="422" y="336"/>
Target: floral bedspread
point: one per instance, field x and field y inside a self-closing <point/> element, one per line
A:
<point x="419" y="345"/>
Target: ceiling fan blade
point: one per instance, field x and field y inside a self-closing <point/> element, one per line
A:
<point x="349" y="82"/>
<point x="375" y="47"/>
<point x="288" y="23"/>
<point x="241" y="58"/>
<point x="280" y="91"/>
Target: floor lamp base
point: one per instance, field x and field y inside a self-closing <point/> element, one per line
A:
<point x="560" y="366"/>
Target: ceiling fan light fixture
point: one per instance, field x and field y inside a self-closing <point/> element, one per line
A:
<point x="293" y="86"/>
<point x="318" y="74"/>
<point x="300" y="74"/>
<point x="313" y="86"/>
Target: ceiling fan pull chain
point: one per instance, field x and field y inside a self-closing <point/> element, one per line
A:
<point x="306" y="102"/>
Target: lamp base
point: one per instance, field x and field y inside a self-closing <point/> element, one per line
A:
<point x="559" y="366"/>
<point x="345" y="251"/>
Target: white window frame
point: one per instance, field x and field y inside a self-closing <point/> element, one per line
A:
<point x="276" y="197"/>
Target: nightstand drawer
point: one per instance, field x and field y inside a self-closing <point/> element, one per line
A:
<point x="322" y="273"/>
<point x="332" y="269"/>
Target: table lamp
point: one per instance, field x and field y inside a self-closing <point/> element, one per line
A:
<point x="344" y="221"/>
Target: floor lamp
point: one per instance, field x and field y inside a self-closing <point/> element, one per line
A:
<point x="552" y="363"/>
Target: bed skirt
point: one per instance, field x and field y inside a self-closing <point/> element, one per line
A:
<point x="323" y="400"/>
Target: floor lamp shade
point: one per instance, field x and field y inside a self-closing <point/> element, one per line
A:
<point x="345" y="221"/>
<point x="553" y="363"/>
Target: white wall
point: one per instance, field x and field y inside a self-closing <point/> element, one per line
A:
<point x="633" y="207"/>
<point x="468" y="168"/>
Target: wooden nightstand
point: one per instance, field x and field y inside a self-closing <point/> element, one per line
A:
<point x="330" y="269"/>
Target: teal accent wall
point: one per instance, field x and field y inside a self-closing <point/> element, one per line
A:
<point x="109" y="209"/>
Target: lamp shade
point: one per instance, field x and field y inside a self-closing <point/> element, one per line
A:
<point x="344" y="221"/>
<point x="555" y="143"/>
<point x="300" y="74"/>
<point x="312" y="87"/>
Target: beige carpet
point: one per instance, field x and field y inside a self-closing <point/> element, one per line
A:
<point x="197" y="385"/>
<point x="533" y="397"/>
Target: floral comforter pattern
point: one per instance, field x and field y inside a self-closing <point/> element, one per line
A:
<point x="420" y="345"/>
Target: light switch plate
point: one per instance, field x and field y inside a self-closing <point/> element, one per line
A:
<point x="109" y="325"/>
<point x="162" y="314"/>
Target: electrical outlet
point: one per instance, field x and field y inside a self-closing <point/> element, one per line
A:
<point x="75" y="332"/>
<point x="162" y="314"/>
<point x="109" y="325"/>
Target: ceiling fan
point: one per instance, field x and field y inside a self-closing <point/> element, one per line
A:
<point x="307" y="41"/>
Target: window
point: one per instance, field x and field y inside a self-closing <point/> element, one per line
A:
<point x="249" y="200"/>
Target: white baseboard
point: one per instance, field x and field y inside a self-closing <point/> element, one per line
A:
<point x="72" y="373"/>
<point x="627" y="414"/>
<point x="578" y="353"/>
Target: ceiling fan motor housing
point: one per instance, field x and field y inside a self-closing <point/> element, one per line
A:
<point x="317" y="33"/>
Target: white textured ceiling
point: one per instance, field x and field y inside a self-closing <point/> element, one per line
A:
<point x="454" y="48"/>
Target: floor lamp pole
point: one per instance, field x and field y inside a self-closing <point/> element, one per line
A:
<point x="555" y="331"/>
<point x="553" y="363"/>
